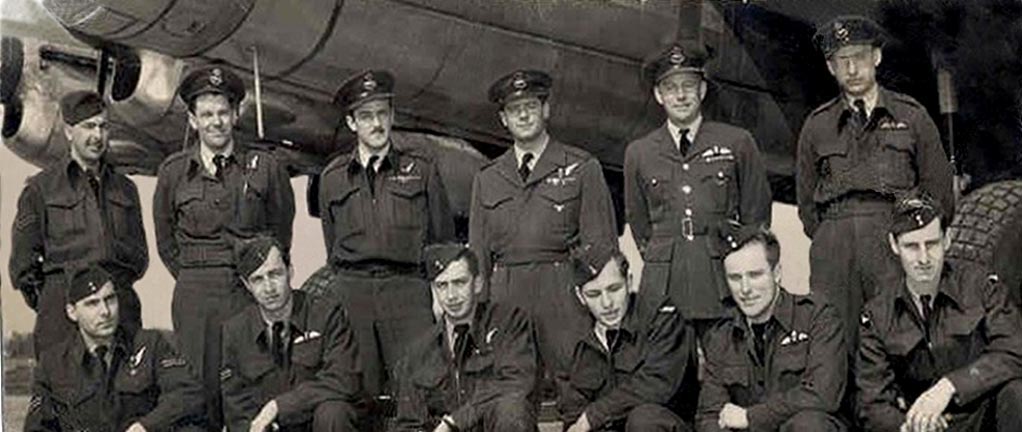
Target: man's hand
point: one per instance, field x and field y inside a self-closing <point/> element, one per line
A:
<point x="925" y="413"/>
<point x="265" y="418"/>
<point x="733" y="417"/>
<point x="31" y="297"/>
<point x="580" y="425"/>
<point x="445" y="424"/>
<point x="135" y="427"/>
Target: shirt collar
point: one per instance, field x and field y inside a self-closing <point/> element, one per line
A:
<point x="84" y="350"/>
<point x="75" y="170"/>
<point x="871" y="100"/>
<point x="878" y="102"/>
<point x="364" y="154"/>
<point x="693" y="130"/>
<point x="519" y="154"/>
<point x="947" y="288"/>
<point x="784" y="312"/>
<point x="206" y="156"/>
<point x="294" y="323"/>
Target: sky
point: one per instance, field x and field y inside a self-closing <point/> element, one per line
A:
<point x="156" y="287"/>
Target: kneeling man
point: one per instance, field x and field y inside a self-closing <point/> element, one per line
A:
<point x="289" y="361"/>
<point x="475" y="369"/>
<point x="626" y="370"/>
<point x="779" y="363"/>
<point x="940" y="347"/>
<point x="109" y="376"/>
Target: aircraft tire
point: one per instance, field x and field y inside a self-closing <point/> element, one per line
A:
<point x="987" y="229"/>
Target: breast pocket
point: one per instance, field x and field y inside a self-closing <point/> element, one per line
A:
<point x="560" y="206"/>
<point x="346" y="213"/>
<point x="65" y="217"/>
<point x="735" y="378"/>
<point x="408" y="203"/>
<point x="896" y="159"/>
<point x="252" y="214"/>
<point x="308" y="356"/>
<point x="966" y="329"/>
<point x="194" y="214"/>
<point x="499" y="209"/>
<point x="480" y="363"/>
<point x="125" y="215"/>
<point x="790" y="363"/>
<point x="720" y="187"/>
<point x="137" y="390"/>
<point x="657" y="185"/>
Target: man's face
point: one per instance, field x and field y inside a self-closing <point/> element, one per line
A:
<point x="371" y="123"/>
<point x="681" y="95"/>
<point x="455" y="289"/>
<point x="854" y="67"/>
<point x="88" y="138"/>
<point x="214" y="118"/>
<point x="525" y="118"/>
<point x="921" y="252"/>
<point x="606" y="296"/>
<point x="96" y="314"/>
<point x="270" y="284"/>
<point x="752" y="281"/>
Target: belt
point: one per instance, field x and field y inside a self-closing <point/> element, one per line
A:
<point x="205" y="256"/>
<point x="529" y="257"/>
<point x="857" y="203"/>
<point x="379" y="269"/>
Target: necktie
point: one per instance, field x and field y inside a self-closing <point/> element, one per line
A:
<point x="612" y="335"/>
<point x="100" y="353"/>
<point x="759" y="332"/>
<point x="93" y="183"/>
<point x="371" y="173"/>
<point x="924" y="300"/>
<point x="524" y="170"/>
<point x="683" y="143"/>
<point x="860" y="113"/>
<point x="220" y="161"/>
<point x="460" y="333"/>
<point x="277" y="346"/>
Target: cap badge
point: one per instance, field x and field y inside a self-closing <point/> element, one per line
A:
<point x="841" y="32"/>
<point x="216" y="77"/>
<point x="677" y="57"/>
<point x="439" y="265"/>
<point x="519" y="82"/>
<point x="92" y="287"/>
<point x="368" y="82"/>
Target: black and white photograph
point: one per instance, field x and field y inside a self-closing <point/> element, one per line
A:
<point x="511" y="215"/>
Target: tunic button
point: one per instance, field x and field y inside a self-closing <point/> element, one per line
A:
<point x="688" y="212"/>
<point x="654" y="182"/>
<point x="686" y="189"/>
<point x="684" y="166"/>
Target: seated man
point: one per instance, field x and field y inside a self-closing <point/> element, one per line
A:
<point x="290" y="360"/>
<point x="110" y="377"/>
<point x="628" y="368"/>
<point x="779" y="363"/>
<point x="940" y="347"/>
<point x="475" y="369"/>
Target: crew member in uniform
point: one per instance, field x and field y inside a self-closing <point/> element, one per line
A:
<point x="475" y="368"/>
<point x="779" y="363"/>
<point x="208" y="196"/>
<point x="627" y="368"/>
<point x="108" y="376"/>
<point x="291" y="360"/>
<point x="682" y="180"/>
<point x="940" y="347"/>
<point x="380" y="204"/>
<point x="856" y="155"/>
<point x="75" y="213"/>
<point x="529" y="207"/>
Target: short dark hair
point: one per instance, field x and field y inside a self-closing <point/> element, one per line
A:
<point x="470" y="260"/>
<point x="765" y="237"/>
<point x="235" y="104"/>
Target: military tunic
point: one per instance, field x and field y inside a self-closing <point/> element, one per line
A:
<point x="629" y="385"/>
<point x="63" y="225"/>
<point x="797" y="384"/>
<point x="522" y="232"/>
<point x="674" y="204"/>
<point x="147" y="383"/>
<point x="319" y="378"/>
<point x="972" y="339"/>
<point x="198" y="218"/>
<point x="484" y="387"/>
<point x="374" y="238"/>
<point x="848" y="177"/>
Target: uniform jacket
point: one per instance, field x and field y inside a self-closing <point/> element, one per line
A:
<point x="198" y="217"/>
<point x="408" y="211"/>
<point x="804" y="367"/>
<point x="900" y="151"/>
<point x="321" y="363"/>
<point x="974" y="341"/>
<point x="499" y="360"/>
<point x="565" y="200"/>
<point x="645" y="365"/>
<point x="151" y="384"/>
<point x="60" y="225"/>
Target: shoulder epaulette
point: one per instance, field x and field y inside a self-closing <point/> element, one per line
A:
<point x="901" y="97"/>
<point x="825" y="106"/>
<point x="176" y="157"/>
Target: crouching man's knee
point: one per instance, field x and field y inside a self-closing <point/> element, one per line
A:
<point x="335" y="416"/>
<point x="511" y="414"/>
<point x="812" y="421"/>
<point x="1009" y="405"/>
<point x="653" y="417"/>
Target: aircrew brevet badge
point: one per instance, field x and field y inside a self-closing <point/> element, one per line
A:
<point x="216" y="77"/>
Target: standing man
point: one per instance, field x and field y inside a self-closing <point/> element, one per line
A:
<point x="779" y="363"/>
<point x="207" y="196"/>
<point x="380" y="204"/>
<point x="110" y="377"/>
<point x="290" y="360"/>
<point x="856" y="155"/>
<point x="474" y="370"/>
<point x="940" y="349"/>
<point x="627" y="368"/>
<point x="529" y="207"/>
<point x="76" y="213"/>
<point x="682" y="181"/>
